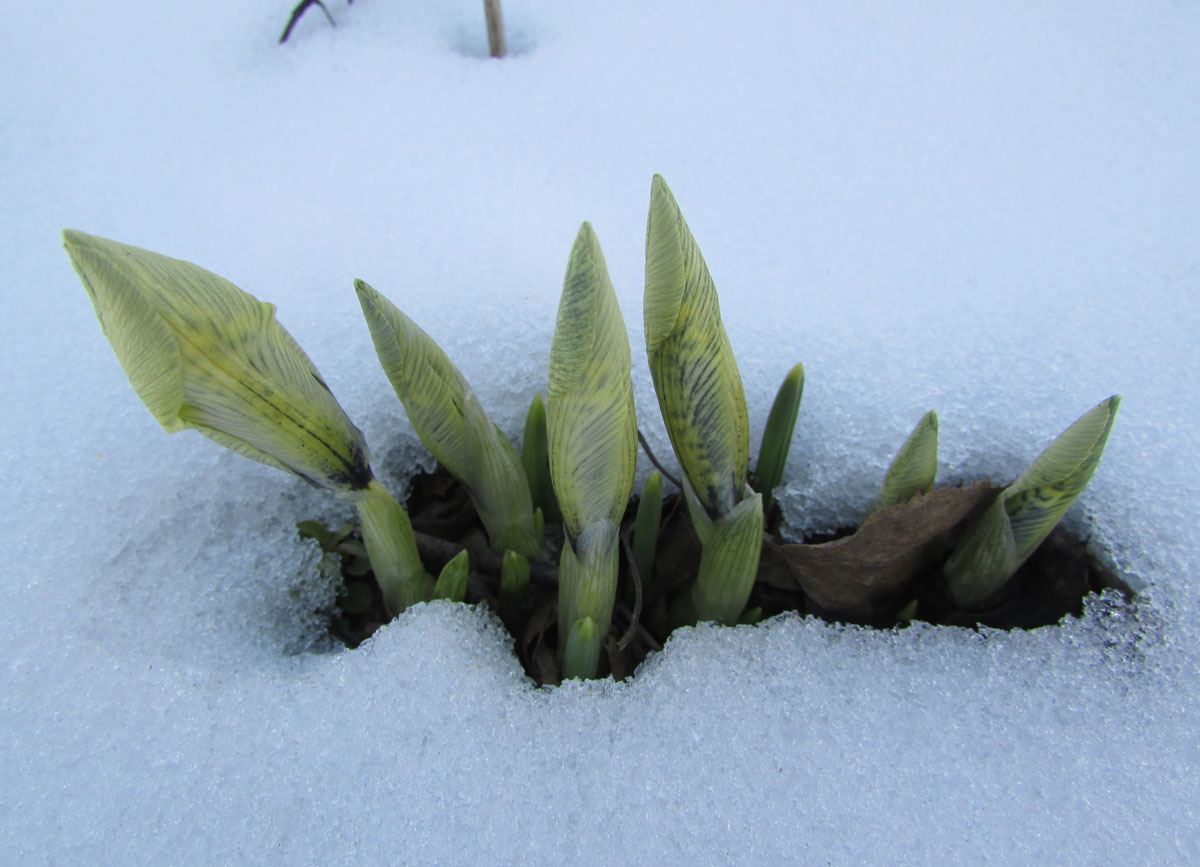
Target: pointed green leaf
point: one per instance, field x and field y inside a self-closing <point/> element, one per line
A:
<point x="535" y="456"/>
<point x="497" y="485"/>
<point x="514" y="585"/>
<point x="452" y="582"/>
<point x="205" y="355"/>
<point x="581" y="658"/>
<point x="1038" y="499"/>
<point x="423" y="377"/>
<point x="591" y="423"/>
<point x="695" y="375"/>
<point x="777" y="436"/>
<point x="996" y="545"/>
<point x="914" y="468"/>
<point x="450" y="423"/>
<point x="645" y="528"/>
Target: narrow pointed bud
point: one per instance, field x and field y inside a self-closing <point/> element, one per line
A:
<point x="535" y="457"/>
<point x="591" y="423"/>
<point x="914" y="469"/>
<point x="592" y="435"/>
<point x="730" y="547"/>
<point x="777" y="436"/>
<point x="514" y="585"/>
<point x="581" y="658"/>
<point x="202" y="354"/>
<point x="497" y="484"/>
<point x="452" y="582"/>
<point x="388" y="537"/>
<point x="452" y="425"/>
<point x="645" y="529"/>
<point x="695" y="375"/>
<point x="1001" y="539"/>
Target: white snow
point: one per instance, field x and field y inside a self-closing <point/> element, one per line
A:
<point x="990" y="209"/>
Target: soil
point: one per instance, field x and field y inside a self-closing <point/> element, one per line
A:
<point x="1053" y="582"/>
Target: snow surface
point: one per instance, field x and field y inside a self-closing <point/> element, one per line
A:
<point x="987" y="208"/>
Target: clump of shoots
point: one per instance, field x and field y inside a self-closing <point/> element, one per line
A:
<point x="703" y="404"/>
<point x="914" y="469"/>
<point x="592" y="434"/>
<point x="777" y="435"/>
<point x="1002" y="538"/>
<point x="450" y="422"/>
<point x="204" y="355"/>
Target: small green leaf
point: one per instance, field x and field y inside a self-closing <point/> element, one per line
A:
<point x="914" y="468"/>
<point x="581" y="659"/>
<point x="695" y="375"/>
<point x="514" y="585"/>
<point x="452" y="582"/>
<point x="645" y="529"/>
<point x="318" y="531"/>
<point x="535" y="457"/>
<point x="777" y="436"/>
<point x="750" y="616"/>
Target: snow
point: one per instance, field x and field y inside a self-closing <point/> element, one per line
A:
<point x="988" y="209"/>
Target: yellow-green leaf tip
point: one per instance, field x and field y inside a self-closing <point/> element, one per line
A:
<point x="590" y="420"/>
<point x="203" y="354"/>
<point x="695" y="375"/>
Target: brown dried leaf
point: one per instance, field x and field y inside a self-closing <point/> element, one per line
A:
<point x="853" y="576"/>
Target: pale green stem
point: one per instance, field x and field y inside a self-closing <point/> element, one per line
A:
<point x="730" y="548"/>
<point x="587" y="582"/>
<point x="388" y="536"/>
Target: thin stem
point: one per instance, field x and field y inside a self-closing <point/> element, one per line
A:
<point x="495" y="28"/>
<point x="650" y="454"/>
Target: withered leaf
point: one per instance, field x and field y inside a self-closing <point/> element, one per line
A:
<point x="852" y="576"/>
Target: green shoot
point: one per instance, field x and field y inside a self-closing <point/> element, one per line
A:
<point x="777" y="436"/>
<point x="452" y="582"/>
<point x="914" y="468"/>
<point x="1001" y="539"/>
<point x="703" y="404"/>
<point x="645" y="529"/>
<point x="514" y="584"/>
<point x="581" y="656"/>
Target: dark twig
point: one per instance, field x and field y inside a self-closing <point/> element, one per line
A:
<point x="635" y="617"/>
<point x="650" y="454"/>
<point x="300" y="9"/>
